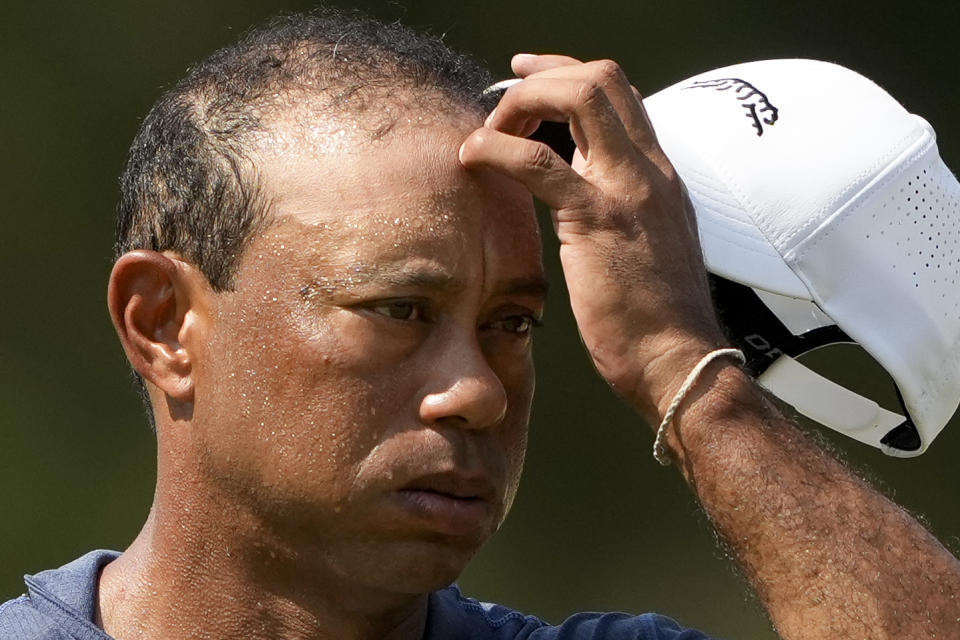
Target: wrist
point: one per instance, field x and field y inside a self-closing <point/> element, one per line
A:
<point x="664" y="374"/>
<point x="692" y="378"/>
<point x="724" y="401"/>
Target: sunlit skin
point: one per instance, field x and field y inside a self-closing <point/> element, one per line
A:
<point x="380" y="333"/>
<point x="360" y="401"/>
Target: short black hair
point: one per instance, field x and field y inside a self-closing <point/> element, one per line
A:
<point x="189" y="185"/>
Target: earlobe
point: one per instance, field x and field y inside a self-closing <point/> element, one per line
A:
<point x="149" y="298"/>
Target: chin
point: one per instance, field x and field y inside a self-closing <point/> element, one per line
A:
<point x="413" y="567"/>
<point x="427" y="567"/>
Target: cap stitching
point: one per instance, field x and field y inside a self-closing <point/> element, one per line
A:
<point x="739" y="201"/>
<point x="803" y="248"/>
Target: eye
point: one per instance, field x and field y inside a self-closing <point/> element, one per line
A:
<point x="521" y="324"/>
<point x="400" y="310"/>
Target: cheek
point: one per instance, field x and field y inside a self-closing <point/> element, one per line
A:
<point x="514" y="446"/>
<point x="298" y="412"/>
<point x="517" y="375"/>
<point x="511" y="359"/>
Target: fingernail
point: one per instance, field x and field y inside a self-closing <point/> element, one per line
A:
<point x="525" y="55"/>
<point x="489" y="119"/>
<point x="460" y="152"/>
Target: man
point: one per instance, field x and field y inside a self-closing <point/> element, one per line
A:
<point x="328" y="269"/>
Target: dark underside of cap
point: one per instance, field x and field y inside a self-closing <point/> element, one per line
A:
<point x="763" y="338"/>
<point x="905" y="436"/>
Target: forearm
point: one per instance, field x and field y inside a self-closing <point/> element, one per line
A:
<point x="827" y="554"/>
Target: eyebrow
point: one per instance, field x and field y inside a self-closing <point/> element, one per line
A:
<point x="360" y="275"/>
<point x="425" y="278"/>
<point x="535" y="286"/>
<point x="416" y="278"/>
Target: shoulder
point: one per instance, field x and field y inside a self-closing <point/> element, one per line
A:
<point x="453" y="615"/>
<point x="59" y="604"/>
<point x="20" y="620"/>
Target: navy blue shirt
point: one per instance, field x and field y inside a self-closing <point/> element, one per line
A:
<point x="60" y="604"/>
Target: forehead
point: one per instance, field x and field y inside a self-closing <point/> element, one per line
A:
<point x="351" y="198"/>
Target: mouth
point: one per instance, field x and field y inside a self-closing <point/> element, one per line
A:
<point x="449" y="503"/>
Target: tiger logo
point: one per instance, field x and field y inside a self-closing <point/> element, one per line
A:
<point x="755" y="102"/>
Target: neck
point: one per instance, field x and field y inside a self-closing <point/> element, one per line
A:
<point x="202" y="569"/>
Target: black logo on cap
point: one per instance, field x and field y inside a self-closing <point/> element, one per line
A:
<point x="758" y="106"/>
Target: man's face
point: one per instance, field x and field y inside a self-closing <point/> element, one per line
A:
<point x="366" y="389"/>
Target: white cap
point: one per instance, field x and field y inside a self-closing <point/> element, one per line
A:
<point x="812" y="184"/>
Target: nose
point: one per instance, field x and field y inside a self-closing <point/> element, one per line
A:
<point x="464" y="389"/>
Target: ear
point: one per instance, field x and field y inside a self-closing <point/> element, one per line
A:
<point x="153" y="300"/>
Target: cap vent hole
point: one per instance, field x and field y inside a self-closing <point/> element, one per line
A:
<point x="924" y="255"/>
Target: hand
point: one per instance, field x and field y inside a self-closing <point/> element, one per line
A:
<point x="808" y="534"/>
<point x="628" y="239"/>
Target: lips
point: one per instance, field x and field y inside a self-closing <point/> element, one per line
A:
<point x="450" y="503"/>
<point x="454" y="485"/>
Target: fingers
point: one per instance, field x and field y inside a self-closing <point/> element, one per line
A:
<point x="615" y="142"/>
<point x="624" y="97"/>
<point x="531" y="163"/>
<point x="525" y="64"/>
<point x="595" y="125"/>
<point x="605" y="75"/>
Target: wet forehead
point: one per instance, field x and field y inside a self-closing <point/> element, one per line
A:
<point x="369" y="211"/>
<point x="322" y="176"/>
<point x="398" y="205"/>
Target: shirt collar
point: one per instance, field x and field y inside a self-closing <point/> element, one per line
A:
<point x="69" y="594"/>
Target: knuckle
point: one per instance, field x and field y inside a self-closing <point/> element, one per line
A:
<point x="610" y="72"/>
<point x="588" y="93"/>
<point x="538" y="156"/>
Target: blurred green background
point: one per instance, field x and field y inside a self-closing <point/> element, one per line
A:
<point x="598" y="524"/>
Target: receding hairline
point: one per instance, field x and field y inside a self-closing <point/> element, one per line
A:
<point x="301" y="117"/>
<point x="307" y="130"/>
<point x="188" y="185"/>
